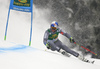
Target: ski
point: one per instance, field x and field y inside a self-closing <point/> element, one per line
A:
<point x="64" y="54"/>
<point x="67" y="55"/>
<point x="88" y="61"/>
<point x="91" y="62"/>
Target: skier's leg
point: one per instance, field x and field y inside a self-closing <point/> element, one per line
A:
<point x="53" y="46"/>
<point x="64" y="47"/>
<point x="70" y="51"/>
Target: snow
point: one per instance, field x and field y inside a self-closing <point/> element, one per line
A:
<point x="15" y="52"/>
<point x="25" y="57"/>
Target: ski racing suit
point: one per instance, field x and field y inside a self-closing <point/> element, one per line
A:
<point x="55" y="44"/>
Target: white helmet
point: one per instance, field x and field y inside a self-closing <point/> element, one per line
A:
<point x="54" y="25"/>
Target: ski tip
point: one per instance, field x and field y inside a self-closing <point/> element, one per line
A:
<point x="93" y="62"/>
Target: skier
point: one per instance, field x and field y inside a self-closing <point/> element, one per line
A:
<point x="52" y="42"/>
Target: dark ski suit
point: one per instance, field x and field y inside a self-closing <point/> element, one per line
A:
<point x="52" y="38"/>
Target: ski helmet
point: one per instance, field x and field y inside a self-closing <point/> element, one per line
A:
<point x="54" y="25"/>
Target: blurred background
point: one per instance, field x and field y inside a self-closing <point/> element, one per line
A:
<point x="80" y="18"/>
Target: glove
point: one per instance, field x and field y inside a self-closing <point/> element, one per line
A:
<point x="48" y="46"/>
<point x="71" y="40"/>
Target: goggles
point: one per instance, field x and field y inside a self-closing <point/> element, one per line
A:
<point x="53" y="28"/>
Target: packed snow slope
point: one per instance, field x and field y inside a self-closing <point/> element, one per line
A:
<point x="16" y="56"/>
<point x="15" y="52"/>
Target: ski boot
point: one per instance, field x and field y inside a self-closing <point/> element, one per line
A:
<point x="64" y="52"/>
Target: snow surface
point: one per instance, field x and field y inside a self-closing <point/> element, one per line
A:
<point x="15" y="52"/>
<point x="16" y="56"/>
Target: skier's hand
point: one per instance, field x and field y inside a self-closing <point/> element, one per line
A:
<point x="48" y="45"/>
<point x="72" y="40"/>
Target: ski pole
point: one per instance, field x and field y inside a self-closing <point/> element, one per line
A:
<point x="85" y="48"/>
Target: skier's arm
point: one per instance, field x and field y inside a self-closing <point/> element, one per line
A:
<point x="67" y="35"/>
<point x="45" y="37"/>
<point x="45" y="40"/>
